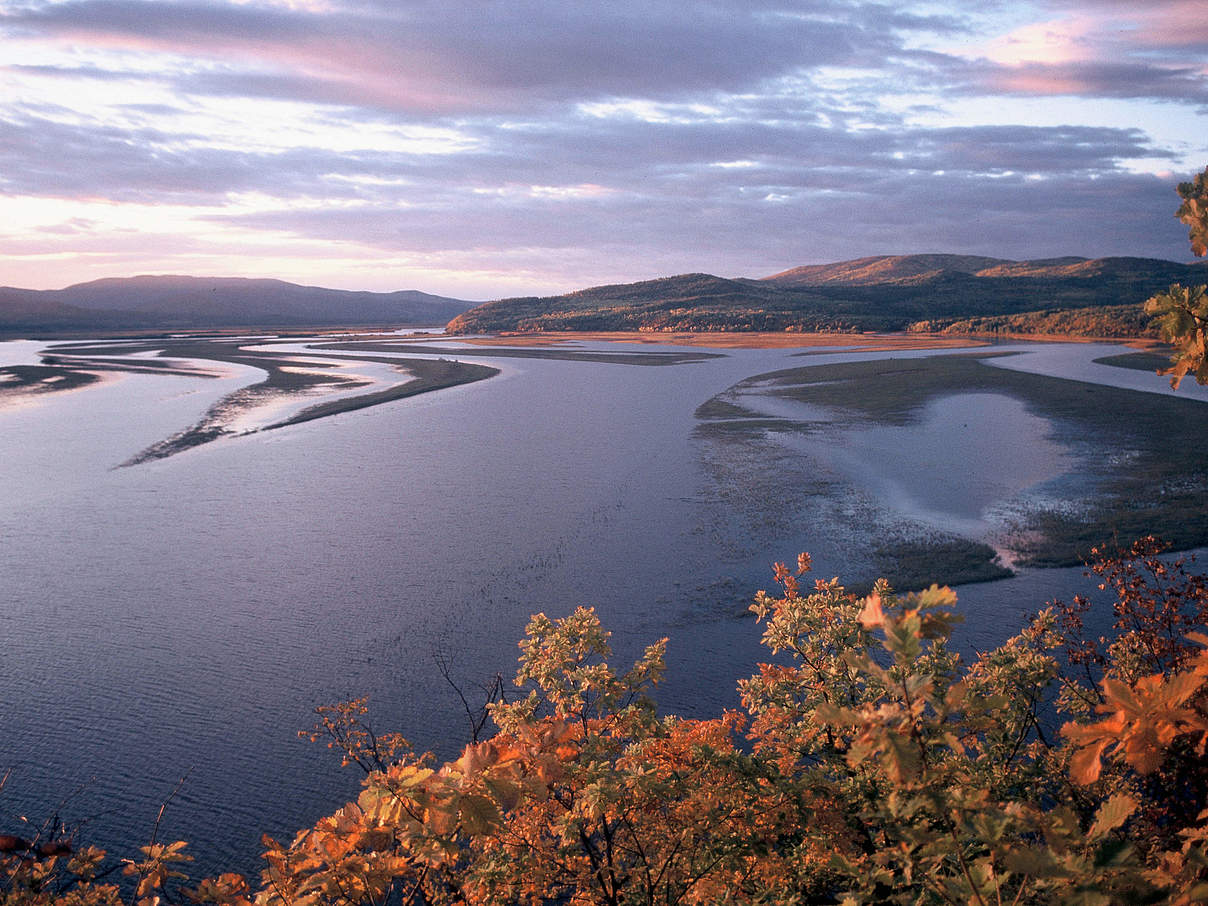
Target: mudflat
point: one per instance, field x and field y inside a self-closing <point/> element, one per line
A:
<point x="1159" y="490"/>
<point x="290" y="378"/>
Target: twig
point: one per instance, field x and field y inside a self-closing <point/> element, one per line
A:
<point x="164" y="805"/>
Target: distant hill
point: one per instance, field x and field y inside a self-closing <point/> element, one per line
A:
<point x="176" y="303"/>
<point x="883" y="269"/>
<point x="624" y="306"/>
<point x="701" y="300"/>
<point x="889" y="292"/>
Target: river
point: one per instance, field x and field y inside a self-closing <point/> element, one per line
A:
<point x="182" y="617"/>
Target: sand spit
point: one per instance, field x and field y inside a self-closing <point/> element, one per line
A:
<point x="296" y="388"/>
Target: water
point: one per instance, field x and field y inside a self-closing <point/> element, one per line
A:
<point x="921" y="471"/>
<point x="186" y="615"/>
<point x="1060" y="360"/>
<point x="20" y="352"/>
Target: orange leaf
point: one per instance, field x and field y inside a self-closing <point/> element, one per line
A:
<point x="1085" y="765"/>
<point x="872" y="615"/>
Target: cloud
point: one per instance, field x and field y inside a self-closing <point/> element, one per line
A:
<point x="1009" y="192"/>
<point x="456" y="57"/>
<point x="627" y="237"/>
<point x="42" y="154"/>
<point x="1099" y="49"/>
<point x="1091" y="79"/>
<point x="624" y="139"/>
<point x="1173" y="26"/>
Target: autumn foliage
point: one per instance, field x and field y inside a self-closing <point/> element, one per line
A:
<point x="1181" y="313"/>
<point x="869" y="764"/>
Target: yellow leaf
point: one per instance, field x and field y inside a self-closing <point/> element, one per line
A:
<point x="1113" y="813"/>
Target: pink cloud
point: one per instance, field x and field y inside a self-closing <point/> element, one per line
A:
<point x="1096" y="78"/>
<point x="1182" y="23"/>
<point x="1057" y="41"/>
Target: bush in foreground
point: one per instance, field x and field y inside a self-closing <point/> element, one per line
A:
<point x="869" y="764"/>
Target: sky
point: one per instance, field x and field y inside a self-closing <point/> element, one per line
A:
<point x="490" y="148"/>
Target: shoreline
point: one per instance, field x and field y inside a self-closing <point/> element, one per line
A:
<point x="283" y="383"/>
<point x="874" y="342"/>
<point x="1160" y="493"/>
<point x="73" y="365"/>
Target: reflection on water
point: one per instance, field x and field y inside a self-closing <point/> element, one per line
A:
<point x="187" y="614"/>
<point x="20" y="352"/>
<point x="966" y="457"/>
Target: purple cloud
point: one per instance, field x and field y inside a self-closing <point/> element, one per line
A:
<point x="739" y="136"/>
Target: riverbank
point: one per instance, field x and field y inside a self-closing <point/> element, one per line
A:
<point x="873" y="342"/>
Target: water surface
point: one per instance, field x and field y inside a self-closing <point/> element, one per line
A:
<point x="185" y="615"/>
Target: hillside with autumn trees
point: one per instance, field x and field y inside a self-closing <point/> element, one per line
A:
<point x="869" y="763"/>
<point x="960" y="293"/>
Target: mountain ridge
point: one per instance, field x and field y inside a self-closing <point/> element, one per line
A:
<point x="880" y="269"/>
<point x="148" y="301"/>
<point x="885" y="292"/>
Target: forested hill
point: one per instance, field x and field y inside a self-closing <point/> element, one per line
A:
<point x="145" y="303"/>
<point x="891" y="292"/>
